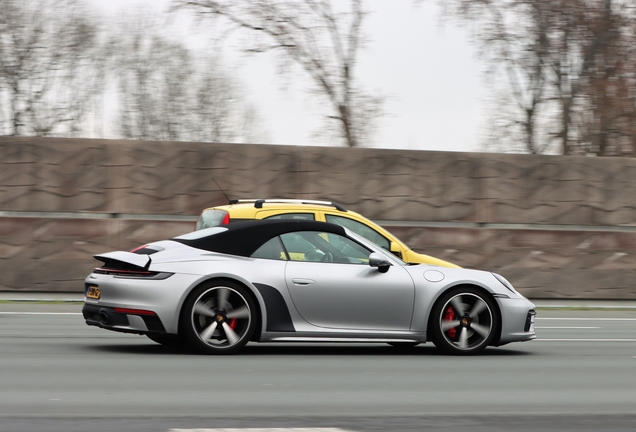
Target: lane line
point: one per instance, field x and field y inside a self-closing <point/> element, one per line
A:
<point x="586" y="319"/>
<point x="40" y="313"/>
<point x="542" y="327"/>
<point x="584" y="340"/>
<point x="262" y="430"/>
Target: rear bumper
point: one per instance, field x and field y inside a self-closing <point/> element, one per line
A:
<point x="107" y="318"/>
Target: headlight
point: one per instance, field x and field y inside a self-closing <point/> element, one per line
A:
<point x="505" y="282"/>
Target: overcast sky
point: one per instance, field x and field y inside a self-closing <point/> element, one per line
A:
<point x="428" y="71"/>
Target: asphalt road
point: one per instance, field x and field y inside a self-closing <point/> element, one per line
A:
<point x="57" y="374"/>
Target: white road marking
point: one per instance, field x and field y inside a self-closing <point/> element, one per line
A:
<point x="262" y="430"/>
<point x="40" y="313"/>
<point x="584" y="340"/>
<point x="586" y="319"/>
<point x="542" y="327"/>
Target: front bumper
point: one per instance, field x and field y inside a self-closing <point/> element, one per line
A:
<point x="517" y="320"/>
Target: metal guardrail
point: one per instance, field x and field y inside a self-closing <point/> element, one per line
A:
<point x="385" y="223"/>
<point x="96" y="215"/>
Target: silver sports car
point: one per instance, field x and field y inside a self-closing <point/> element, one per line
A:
<point x="298" y="281"/>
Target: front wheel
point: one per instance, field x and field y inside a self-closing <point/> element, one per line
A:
<point x="219" y="318"/>
<point x="463" y="321"/>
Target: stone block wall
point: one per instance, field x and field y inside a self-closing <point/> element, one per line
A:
<point x="557" y="227"/>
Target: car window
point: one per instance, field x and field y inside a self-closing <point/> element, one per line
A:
<point x="314" y="246"/>
<point x="294" y="216"/>
<point x="360" y="229"/>
<point x="210" y="218"/>
<point x="272" y="249"/>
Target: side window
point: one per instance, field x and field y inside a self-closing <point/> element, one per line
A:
<point x="297" y="247"/>
<point x="271" y="249"/>
<point x="314" y="246"/>
<point x="360" y="229"/>
<point x="294" y="216"/>
<point x="211" y="218"/>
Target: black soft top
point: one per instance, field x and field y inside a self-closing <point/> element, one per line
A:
<point x="244" y="238"/>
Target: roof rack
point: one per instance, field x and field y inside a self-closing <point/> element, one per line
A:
<point x="258" y="203"/>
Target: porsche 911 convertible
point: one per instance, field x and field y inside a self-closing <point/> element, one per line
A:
<point x="298" y="281"/>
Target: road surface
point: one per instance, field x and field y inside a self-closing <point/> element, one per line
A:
<point x="57" y="374"/>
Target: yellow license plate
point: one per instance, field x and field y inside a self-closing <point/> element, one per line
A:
<point x="93" y="292"/>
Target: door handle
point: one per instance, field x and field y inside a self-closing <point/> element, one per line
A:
<point x="303" y="282"/>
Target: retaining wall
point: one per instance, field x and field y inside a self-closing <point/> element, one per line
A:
<point x="556" y="226"/>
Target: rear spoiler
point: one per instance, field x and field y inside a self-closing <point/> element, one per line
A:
<point x="125" y="260"/>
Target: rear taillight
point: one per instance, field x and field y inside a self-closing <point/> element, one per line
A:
<point x="136" y="274"/>
<point x="226" y="219"/>
<point x="111" y="271"/>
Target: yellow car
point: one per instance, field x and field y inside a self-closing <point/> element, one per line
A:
<point x="324" y="211"/>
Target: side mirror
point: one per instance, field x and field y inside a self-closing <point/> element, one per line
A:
<point x="377" y="260"/>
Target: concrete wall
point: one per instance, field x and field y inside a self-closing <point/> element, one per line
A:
<point x="555" y="226"/>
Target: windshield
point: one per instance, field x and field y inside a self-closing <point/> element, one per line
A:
<point x="375" y="247"/>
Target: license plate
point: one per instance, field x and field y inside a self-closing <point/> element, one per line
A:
<point x="93" y="292"/>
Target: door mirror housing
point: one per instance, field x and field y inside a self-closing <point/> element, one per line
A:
<point x="377" y="260"/>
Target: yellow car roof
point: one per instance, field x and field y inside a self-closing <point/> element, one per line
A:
<point x="249" y="208"/>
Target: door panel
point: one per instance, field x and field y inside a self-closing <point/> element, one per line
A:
<point x="351" y="296"/>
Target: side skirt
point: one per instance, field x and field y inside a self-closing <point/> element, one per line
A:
<point x="419" y="337"/>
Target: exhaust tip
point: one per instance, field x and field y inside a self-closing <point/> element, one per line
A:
<point x="103" y="317"/>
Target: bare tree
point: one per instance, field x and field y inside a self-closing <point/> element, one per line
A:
<point x="566" y="68"/>
<point x="610" y="128"/>
<point x="167" y="92"/>
<point x="48" y="72"/>
<point x="312" y="34"/>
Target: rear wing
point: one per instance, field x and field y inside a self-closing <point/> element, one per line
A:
<point x="127" y="260"/>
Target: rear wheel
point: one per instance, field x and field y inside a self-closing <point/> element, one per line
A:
<point x="463" y="321"/>
<point x="219" y="317"/>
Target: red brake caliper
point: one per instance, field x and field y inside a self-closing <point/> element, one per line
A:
<point x="450" y="316"/>
<point x="233" y="323"/>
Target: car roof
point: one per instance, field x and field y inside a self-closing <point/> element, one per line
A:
<point x="251" y="206"/>
<point x="243" y="239"/>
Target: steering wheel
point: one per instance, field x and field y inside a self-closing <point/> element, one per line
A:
<point x="314" y="255"/>
<point x="328" y="257"/>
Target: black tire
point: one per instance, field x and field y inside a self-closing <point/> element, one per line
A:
<point x="166" y="339"/>
<point x="463" y="321"/>
<point x="219" y="317"/>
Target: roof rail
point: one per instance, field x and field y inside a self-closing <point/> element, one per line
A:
<point x="258" y="203"/>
